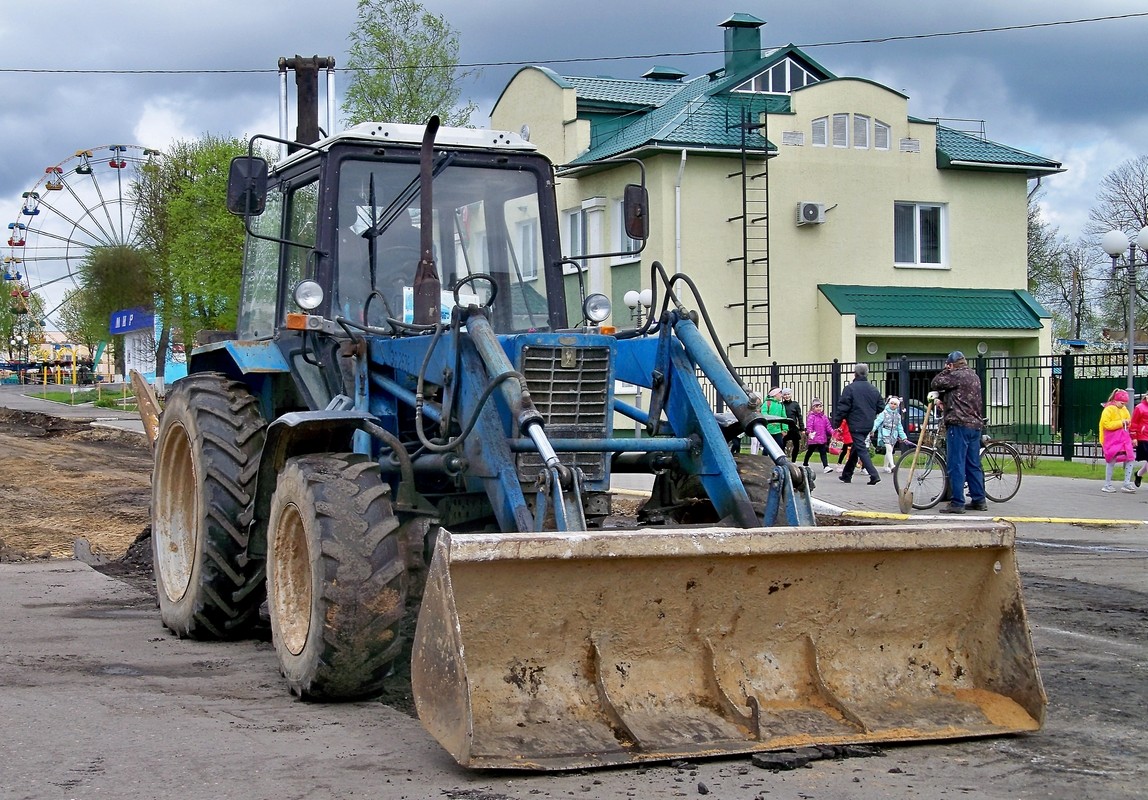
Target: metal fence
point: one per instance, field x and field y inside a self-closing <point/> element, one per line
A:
<point x="1047" y="405"/>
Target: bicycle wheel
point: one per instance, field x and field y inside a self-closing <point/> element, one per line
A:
<point x="930" y="479"/>
<point x="1001" y="465"/>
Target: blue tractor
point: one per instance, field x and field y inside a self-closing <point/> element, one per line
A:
<point x="416" y="418"/>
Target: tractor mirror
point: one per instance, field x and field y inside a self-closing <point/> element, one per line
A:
<point x="636" y="212"/>
<point x="247" y="186"/>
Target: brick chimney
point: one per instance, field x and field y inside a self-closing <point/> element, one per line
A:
<point x="742" y="42"/>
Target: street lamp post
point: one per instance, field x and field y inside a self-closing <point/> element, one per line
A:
<point x="19" y="344"/>
<point x="638" y="302"/>
<point x="1115" y="243"/>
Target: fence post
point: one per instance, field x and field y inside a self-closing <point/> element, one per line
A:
<point x="982" y="373"/>
<point x="1067" y="377"/>
<point x="774" y="374"/>
<point x="834" y="384"/>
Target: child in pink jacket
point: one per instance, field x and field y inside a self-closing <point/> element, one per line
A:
<point x="818" y="431"/>
<point x="1115" y="440"/>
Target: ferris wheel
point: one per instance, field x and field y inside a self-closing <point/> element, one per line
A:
<point x="82" y="203"/>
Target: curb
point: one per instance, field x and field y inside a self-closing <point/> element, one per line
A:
<point x="841" y="512"/>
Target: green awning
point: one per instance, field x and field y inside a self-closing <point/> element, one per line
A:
<point x="936" y="307"/>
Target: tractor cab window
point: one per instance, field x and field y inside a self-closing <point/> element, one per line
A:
<point x="260" y="290"/>
<point x="292" y="216"/>
<point x="485" y="221"/>
<point x="302" y="217"/>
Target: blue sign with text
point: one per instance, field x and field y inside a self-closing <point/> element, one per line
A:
<point x="131" y="319"/>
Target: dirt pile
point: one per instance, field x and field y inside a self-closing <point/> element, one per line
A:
<point x="62" y="479"/>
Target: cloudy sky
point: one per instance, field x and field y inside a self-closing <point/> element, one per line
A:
<point x="1067" y="92"/>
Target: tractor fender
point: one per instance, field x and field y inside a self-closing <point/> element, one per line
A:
<point x="238" y="358"/>
<point x="293" y="434"/>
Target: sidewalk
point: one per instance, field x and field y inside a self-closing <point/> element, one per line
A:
<point x="1040" y="498"/>
<point x="21" y="398"/>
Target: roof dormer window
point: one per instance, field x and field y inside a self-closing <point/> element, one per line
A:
<point x="782" y="78"/>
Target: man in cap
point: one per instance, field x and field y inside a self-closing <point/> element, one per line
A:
<point x="858" y="405"/>
<point x="959" y="388"/>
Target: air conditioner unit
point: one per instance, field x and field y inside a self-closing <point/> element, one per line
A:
<point x="810" y="213"/>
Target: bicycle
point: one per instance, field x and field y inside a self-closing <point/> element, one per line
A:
<point x="1000" y="462"/>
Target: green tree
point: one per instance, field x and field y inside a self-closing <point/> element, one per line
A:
<point x="81" y="322"/>
<point x="115" y="277"/>
<point x="21" y="324"/>
<point x="194" y="245"/>
<point x="403" y="64"/>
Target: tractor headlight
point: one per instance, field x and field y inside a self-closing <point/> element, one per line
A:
<point x="308" y="295"/>
<point x="596" y="307"/>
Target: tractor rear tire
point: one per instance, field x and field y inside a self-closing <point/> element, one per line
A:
<point x="336" y="577"/>
<point x="207" y="454"/>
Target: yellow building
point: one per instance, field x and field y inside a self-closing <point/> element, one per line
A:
<point x="818" y="219"/>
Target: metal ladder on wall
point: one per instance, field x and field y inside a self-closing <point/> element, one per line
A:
<point x="754" y="257"/>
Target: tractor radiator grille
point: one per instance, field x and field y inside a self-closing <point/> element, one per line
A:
<point x="570" y="387"/>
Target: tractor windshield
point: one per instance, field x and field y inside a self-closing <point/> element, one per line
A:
<point x="486" y="221"/>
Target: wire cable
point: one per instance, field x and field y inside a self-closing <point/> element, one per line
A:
<point x="586" y="59"/>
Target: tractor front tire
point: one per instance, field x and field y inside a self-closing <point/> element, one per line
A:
<point x="207" y="455"/>
<point x="336" y="577"/>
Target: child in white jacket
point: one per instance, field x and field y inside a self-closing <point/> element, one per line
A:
<point x="888" y="430"/>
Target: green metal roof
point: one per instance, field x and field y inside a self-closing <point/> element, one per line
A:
<point x="960" y="150"/>
<point x="699" y="113"/>
<point x="936" y="307"/>
<point x="690" y="117"/>
<point x="703" y="113"/>
<point x="742" y="20"/>
<point x="650" y="93"/>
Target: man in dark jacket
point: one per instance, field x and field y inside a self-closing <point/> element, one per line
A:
<point x="960" y="391"/>
<point x="859" y="405"/>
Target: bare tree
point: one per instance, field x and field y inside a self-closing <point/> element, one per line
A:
<point x="1065" y="277"/>
<point x="1122" y="204"/>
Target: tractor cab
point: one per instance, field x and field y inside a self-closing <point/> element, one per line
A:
<point x="492" y="231"/>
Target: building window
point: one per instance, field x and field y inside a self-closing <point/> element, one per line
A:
<point x="840" y="130"/>
<point x="526" y="237"/>
<point x="918" y="234"/>
<point x="573" y="233"/>
<point x="860" y="131"/>
<point x="782" y="78"/>
<point x="882" y="135"/>
<point x="820" y="133"/>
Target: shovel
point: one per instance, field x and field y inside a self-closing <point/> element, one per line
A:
<point x="905" y="498"/>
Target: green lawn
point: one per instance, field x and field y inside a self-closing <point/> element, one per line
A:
<point x="103" y="398"/>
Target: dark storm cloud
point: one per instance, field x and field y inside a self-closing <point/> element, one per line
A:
<point x="1060" y="91"/>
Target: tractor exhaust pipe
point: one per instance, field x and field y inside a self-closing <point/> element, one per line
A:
<point x="306" y="97"/>
<point x="427" y="285"/>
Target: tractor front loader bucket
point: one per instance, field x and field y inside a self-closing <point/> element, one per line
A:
<point x="567" y="651"/>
